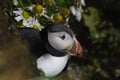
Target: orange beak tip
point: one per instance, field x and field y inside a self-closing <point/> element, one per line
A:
<point x="79" y="49"/>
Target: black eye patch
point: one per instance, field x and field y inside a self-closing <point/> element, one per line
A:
<point x="62" y="37"/>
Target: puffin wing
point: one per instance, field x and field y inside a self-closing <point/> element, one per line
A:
<point x="30" y="35"/>
<point x="34" y="41"/>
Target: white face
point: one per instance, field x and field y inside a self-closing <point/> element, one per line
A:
<point x="60" y="40"/>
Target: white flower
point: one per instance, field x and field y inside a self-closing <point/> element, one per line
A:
<point x="37" y="25"/>
<point x="39" y="9"/>
<point x="20" y="14"/>
<point x="28" y="23"/>
<point x="76" y="12"/>
<point x="82" y="2"/>
<point x="27" y="20"/>
<point x="43" y="12"/>
<point x="15" y="2"/>
<point x="33" y="23"/>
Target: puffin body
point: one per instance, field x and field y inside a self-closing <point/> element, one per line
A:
<point x="52" y="65"/>
<point x="52" y="47"/>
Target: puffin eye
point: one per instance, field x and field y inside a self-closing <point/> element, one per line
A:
<point x="62" y="37"/>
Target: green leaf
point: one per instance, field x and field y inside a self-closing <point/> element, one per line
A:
<point x="104" y="74"/>
<point x="93" y="19"/>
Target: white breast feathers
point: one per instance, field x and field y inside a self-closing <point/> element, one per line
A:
<point x="51" y="65"/>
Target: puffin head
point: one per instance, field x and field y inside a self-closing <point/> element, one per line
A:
<point x="62" y="41"/>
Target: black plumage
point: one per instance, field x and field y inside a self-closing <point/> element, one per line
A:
<point x="35" y="40"/>
<point x="38" y="40"/>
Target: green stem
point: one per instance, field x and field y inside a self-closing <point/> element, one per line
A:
<point x="29" y="2"/>
<point x="21" y="4"/>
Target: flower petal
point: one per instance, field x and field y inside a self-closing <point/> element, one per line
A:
<point x="18" y="18"/>
<point x="36" y="22"/>
<point x="83" y="2"/>
<point x="31" y="7"/>
<point x="41" y="27"/>
<point x="28" y="22"/>
<point x="17" y="12"/>
<point x="15" y="2"/>
<point x="72" y="8"/>
<point x="78" y="14"/>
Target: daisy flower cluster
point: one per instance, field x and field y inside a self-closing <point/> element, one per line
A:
<point x="37" y="14"/>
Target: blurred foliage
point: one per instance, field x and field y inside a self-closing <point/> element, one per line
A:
<point x="101" y="19"/>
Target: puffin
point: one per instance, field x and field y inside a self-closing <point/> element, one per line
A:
<point x="52" y="47"/>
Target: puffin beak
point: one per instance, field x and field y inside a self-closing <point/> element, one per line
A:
<point x="77" y="50"/>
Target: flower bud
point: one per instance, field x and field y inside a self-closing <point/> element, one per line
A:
<point x="38" y="9"/>
<point x="57" y="17"/>
<point x="65" y="12"/>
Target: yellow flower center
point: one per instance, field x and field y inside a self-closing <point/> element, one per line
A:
<point x="65" y="12"/>
<point x="57" y="17"/>
<point x="25" y="14"/>
<point x="36" y="27"/>
<point x="38" y="9"/>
